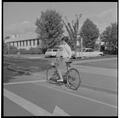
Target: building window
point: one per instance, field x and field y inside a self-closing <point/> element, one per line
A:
<point x="17" y="43"/>
<point x="26" y="43"/>
<point x="20" y="43"/>
<point x="30" y="42"/>
<point x="33" y="42"/>
<point x="37" y="42"/>
<point x="23" y="43"/>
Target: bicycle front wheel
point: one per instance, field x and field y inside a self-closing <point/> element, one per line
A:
<point x="73" y="79"/>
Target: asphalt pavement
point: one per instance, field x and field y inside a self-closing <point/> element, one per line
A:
<point x="33" y="96"/>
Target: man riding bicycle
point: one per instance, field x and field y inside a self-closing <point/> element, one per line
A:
<point x="63" y="56"/>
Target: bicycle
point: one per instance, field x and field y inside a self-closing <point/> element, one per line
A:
<point x="69" y="80"/>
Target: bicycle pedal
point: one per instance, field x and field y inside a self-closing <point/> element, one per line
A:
<point x="52" y="81"/>
<point x="60" y="81"/>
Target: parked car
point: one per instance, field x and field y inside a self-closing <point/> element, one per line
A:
<point x="51" y="52"/>
<point x="87" y="52"/>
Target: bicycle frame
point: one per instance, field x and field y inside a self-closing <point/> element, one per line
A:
<point x="56" y="68"/>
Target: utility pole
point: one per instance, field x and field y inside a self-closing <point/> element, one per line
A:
<point x="77" y="50"/>
<point x="99" y="43"/>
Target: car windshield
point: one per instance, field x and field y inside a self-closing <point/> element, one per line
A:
<point x="88" y="50"/>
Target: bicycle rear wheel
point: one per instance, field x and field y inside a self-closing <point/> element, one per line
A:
<point x="73" y="79"/>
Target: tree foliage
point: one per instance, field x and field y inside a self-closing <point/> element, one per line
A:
<point x="109" y="36"/>
<point x="49" y="28"/>
<point x="89" y="32"/>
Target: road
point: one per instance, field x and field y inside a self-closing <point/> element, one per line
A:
<point x="97" y="95"/>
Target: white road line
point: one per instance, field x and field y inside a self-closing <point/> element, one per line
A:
<point x="27" y="105"/>
<point x="87" y="98"/>
<point x="24" y="82"/>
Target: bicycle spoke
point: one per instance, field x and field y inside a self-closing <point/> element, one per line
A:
<point x="72" y="85"/>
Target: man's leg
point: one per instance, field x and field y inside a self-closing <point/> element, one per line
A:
<point x="61" y="68"/>
<point x="60" y="74"/>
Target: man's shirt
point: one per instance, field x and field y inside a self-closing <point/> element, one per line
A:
<point x="65" y="51"/>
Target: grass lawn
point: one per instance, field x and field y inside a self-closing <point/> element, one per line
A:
<point x="30" y="64"/>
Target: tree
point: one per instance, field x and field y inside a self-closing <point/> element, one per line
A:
<point x="109" y="36"/>
<point x="5" y="48"/>
<point x="73" y="30"/>
<point x="89" y="32"/>
<point x="49" y="28"/>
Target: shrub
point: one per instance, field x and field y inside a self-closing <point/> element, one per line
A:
<point x="5" y="49"/>
<point x="111" y="52"/>
<point x="35" y="51"/>
<point x="23" y="51"/>
<point x="31" y="51"/>
<point x="12" y="50"/>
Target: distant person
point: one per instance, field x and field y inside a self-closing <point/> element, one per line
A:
<point x="102" y="48"/>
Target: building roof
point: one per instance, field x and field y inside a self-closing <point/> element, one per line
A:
<point x="22" y="37"/>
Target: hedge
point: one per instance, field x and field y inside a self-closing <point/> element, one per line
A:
<point x="31" y="51"/>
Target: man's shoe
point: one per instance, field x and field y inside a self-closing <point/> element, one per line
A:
<point x="60" y="80"/>
<point x="53" y="79"/>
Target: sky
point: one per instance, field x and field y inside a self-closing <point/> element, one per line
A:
<point x="20" y="17"/>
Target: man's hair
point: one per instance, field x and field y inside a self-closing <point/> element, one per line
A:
<point x="63" y="39"/>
